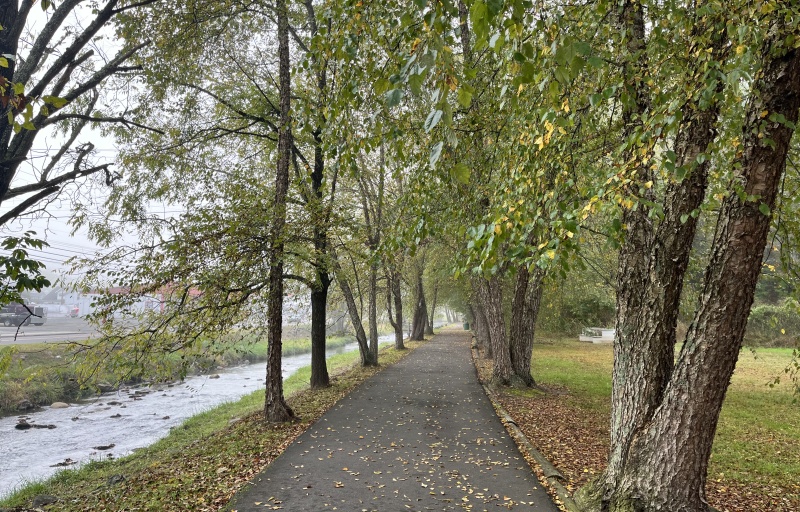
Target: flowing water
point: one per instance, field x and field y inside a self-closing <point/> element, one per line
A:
<point x="128" y="420"/>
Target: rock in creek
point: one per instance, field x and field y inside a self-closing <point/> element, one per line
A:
<point x="25" y="405"/>
<point x="116" y="415"/>
<point x="22" y="425"/>
<point x="59" y="405"/>
<point x="65" y="463"/>
<point x="104" y="447"/>
<point x="105" y="387"/>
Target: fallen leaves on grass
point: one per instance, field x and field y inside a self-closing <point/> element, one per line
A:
<point x="576" y="441"/>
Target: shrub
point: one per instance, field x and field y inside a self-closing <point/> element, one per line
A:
<point x="773" y="326"/>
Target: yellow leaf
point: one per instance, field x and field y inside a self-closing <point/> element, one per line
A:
<point x="497" y="229"/>
<point x="740" y="49"/>
<point x="565" y="105"/>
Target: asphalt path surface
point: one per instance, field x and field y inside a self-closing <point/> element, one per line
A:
<point x="55" y="330"/>
<point x="420" y="435"/>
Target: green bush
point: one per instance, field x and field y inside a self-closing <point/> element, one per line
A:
<point x="570" y="312"/>
<point x="774" y="326"/>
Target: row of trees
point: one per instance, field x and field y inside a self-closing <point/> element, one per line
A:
<point x="483" y="149"/>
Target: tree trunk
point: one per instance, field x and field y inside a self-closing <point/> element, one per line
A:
<point x="420" y="320"/>
<point x="373" y="311"/>
<point x="490" y="292"/>
<point x="355" y="319"/>
<point x="651" y="308"/>
<point x="524" y="311"/>
<point x="321" y="216"/>
<point x="275" y="407"/>
<point x="319" y="365"/>
<point x="393" y="294"/>
<point x="665" y="465"/>
<point x="429" y="327"/>
<point x="481" y="328"/>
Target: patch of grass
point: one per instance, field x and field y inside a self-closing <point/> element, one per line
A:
<point x="202" y="463"/>
<point x="758" y="437"/>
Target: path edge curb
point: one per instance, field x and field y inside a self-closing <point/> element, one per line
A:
<point x="552" y="475"/>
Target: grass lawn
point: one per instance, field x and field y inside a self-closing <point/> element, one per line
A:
<point x="200" y="464"/>
<point x="755" y="463"/>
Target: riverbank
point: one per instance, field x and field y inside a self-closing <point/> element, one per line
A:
<point x="41" y="374"/>
<point x="200" y="464"/>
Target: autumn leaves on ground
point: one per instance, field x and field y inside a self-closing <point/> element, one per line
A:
<point x="756" y="454"/>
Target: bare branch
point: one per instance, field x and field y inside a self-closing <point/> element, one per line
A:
<point x="27" y="203"/>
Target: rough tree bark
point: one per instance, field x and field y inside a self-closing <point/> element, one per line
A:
<point x="652" y="268"/>
<point x="524" y="312"/>
<point x="481" y="326"/>
<point x="660" y="463"/>
<point x="420" y="319"/>
<point x="275" y="407"/>
<point x="490" y="293"/>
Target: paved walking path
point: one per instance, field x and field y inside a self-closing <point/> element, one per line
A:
<point x="420" y="435"/>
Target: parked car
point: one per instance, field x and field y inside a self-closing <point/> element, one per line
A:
<point x="15" y="315"/>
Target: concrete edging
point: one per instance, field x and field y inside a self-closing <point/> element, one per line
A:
<point x="552" y="475"/>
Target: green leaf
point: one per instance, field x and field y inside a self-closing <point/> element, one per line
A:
<point x="415" y="83"/>
<point x="461" y="173"/>
<point x="479" y="16"/>
<point x="464" y="97"/>
<point x="433" y="120"/>
<point x="763" y="208"/>
<point x="420" y="4"/>
<point x="595" y="62"/>
<point x="393" y="97"/>
<point x="436" y="152"/>
<point x="28" y="125"/>
<point x="494" y="7"/>
<point x="381" y="86"/>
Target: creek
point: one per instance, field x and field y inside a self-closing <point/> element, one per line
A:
<point x="124" y="420"/>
